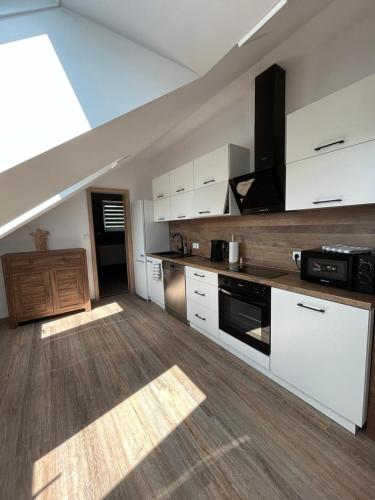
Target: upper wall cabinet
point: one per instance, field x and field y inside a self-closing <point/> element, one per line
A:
<point x="221" y="165"/>
<point x="344" y="177"/>
<point x="182" y="179"/>
<point x="342" y="119"/>
<point x="200" y="188"/>
<point x="161" y="187"/>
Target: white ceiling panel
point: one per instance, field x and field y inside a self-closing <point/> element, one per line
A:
<point x="194" y="33"/>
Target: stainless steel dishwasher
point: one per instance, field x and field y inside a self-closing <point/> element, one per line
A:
<point x="174" y="289"/>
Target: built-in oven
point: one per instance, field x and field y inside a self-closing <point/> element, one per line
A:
<point x="245" y="312"/>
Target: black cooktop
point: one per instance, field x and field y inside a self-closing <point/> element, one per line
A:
<point x="260" y="272"/>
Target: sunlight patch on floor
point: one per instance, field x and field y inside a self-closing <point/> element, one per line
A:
<point x="114" y="444"/>
<point x="77" y="321"/>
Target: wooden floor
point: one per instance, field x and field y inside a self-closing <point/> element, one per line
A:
<point x="127" y="402"/>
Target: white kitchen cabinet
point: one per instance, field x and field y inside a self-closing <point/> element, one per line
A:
<point x="343" y="177"/>
<point x="182" y="179"/>
<point x="322" y="349"/>
<point x="161" y="187"/>
<point x="220" y="165"/>
<point x="162" y="210"/>
<point x="211" y="200"/>
<point x="339" y="120"/>
<point x="202" y="300"/>
<point x="155" y="281"/>
<point x="182" y="206"/>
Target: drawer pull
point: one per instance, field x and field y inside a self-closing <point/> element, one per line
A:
<point x="161" y="218"/>
<point x="334" y="200"/>
<point x="311" y="308"/>
<point x="200" y="293"/>
<point x="205" y="212"/>
<point x="149" y="261"/>
<point x="328" y="145"/>
<point x="180" y="190"/>
<point x="200" y="317"/>
<point x="209" y="180"/>
<point x="160" y="196"/>
<point x="181" y="216"/>
<point x="199" y="275"/>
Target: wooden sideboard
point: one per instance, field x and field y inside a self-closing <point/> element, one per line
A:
<point x="40" y="284"/>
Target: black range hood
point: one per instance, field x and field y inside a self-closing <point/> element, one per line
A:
<point x="264" y="189"/>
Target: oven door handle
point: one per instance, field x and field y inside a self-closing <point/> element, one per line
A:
<point x="243" y="298"/>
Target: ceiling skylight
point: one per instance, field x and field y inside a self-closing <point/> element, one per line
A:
<point x="12" y="7"/>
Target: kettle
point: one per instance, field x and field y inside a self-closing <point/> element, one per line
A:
<point x="217" y="250"/>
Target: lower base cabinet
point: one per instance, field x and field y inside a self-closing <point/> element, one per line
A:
<point x="322" y="349"/>
<point x="41" y="284"/>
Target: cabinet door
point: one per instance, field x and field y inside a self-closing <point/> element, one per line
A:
<point x="155" y="281"/>
<point x="68" y="289"/>
<point x="182" y="179"/>
<point x="32" y="292"/>
<point x="321" y="348"/>
<point x="182" y="206"/>
<point x="211" y="200"/>
<point x="161" y="187"/>
<point x="138" y="229"/>
<point x="162" y="210"/>
<point x="344" y="177"/>
<point x="342" y="119"/>
<point x="140" y="278"/>
<point x="211" y="168"/>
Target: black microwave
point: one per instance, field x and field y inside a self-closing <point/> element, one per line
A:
<point x="350" y="271"/>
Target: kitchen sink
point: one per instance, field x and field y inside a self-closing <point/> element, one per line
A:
<point x="173" y="254"/>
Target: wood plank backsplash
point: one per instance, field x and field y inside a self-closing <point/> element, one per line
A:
<point x="268" y="239"/>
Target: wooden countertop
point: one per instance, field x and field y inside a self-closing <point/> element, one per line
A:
<point x="289" y="281"/>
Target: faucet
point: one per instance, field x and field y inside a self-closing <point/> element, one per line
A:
<point x="181" y="248"/>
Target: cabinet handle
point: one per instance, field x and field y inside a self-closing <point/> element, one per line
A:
<point x="199" y="275"/>
<point x="205" y="212"/>
<point x="160" y="196"/>
<point x="200" y="317"/>
<point x="334" y="200"/>
<point x="200" y="293"/>
<point x="161" y="218"/>
<point x="210" y="180"/>
<point x="328" y="145"/>
<point x="149" y="261"/>
<point x="179" y="190"/>
<point x="311" y="308"/>
<point x="181" y="216"/>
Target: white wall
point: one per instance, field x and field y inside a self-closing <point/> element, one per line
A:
<point x="62" y="75"/>
<point x="320" y="58"/>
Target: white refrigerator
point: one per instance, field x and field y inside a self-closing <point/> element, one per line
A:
<point x="148" y="236"/>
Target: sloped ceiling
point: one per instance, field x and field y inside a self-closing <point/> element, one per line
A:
<point x="194" y="33"/>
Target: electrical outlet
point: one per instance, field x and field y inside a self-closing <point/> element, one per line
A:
<point x="297" y="255"/>
<point x="195" y="246"/>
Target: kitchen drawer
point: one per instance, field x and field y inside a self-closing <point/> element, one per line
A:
<point x="193" y="273"/>
<point x="344" y="177"/>
<point x="204" y="318"/>
<point x="162" y="210"/>
<point x="182" y="179"/>
<point x="203" y="294"/>
<point x="322" y="349"/>
<point x="182" y="206"/>
<point x="339" y="120"/>
<point x="34" y="261"/>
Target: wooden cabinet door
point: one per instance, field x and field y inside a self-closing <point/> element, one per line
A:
<point x="32" y="292"/>
<point x="68" y="289"/>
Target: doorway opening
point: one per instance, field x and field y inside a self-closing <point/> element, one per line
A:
<point x="109" y="233"/>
